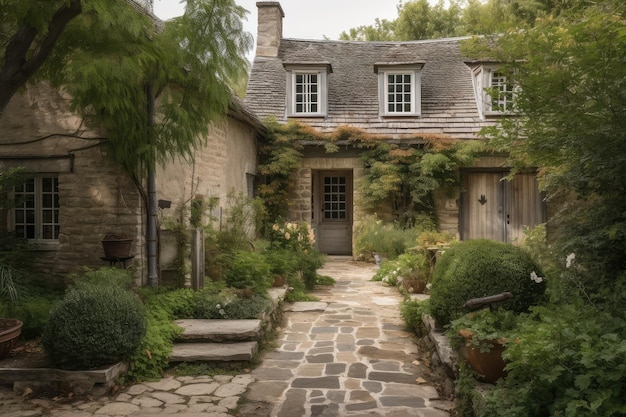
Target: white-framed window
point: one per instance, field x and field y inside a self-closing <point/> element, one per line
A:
<point x="399" y="89"/>
<point x="494" y="91"/>
<point x="307" y="91"/>
<point x="501" y="93"/>
<point x="36" y="210"/>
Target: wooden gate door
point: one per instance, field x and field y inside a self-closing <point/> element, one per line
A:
<point x="494" y="208"/>
<point x="334" y="205"/>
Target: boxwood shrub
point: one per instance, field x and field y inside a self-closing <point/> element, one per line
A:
<point x="94" y="325"/>
<point x="480" y="268"/>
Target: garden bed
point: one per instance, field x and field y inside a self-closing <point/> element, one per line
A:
<point x="28" y="368"/>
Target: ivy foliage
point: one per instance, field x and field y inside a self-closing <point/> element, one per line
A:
<point x="404" y="176"/>
<point x="111" y="58"/>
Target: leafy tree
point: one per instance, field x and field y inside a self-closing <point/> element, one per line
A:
<point x="108" y="55"/>
<point x="381" y="30"/>
<point x="28" y="33"/>
<point x="419" y="20"/>
<point x="571" y="123"/>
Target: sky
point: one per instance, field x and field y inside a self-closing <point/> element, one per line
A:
<point x="306" y="19"/>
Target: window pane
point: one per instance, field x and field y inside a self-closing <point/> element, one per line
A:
<point x="399" y="98"/>
<point x="306" y="93"/>
<point x="46" y="185"/>
<point x="36" y="215"/>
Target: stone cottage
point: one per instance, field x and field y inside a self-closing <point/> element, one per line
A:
<point x="77" y="195"/>
<point x="397" y="91"/>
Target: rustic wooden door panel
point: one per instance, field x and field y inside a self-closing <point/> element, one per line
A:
<point x="483" y="204"/>
<point x="525" y="206"/>
<point x="499" y="209"/>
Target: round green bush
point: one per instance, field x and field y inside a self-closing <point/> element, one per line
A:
<point x="94" y="326"/>
<point x="480" y="268"/>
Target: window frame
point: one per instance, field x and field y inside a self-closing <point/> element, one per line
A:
<point x="38" y="208"/>
<point x="322" y="85"/>
<point x="483" y="76"/>
<point x="414" y="71"/>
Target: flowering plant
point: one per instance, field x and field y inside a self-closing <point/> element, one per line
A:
<point x="294" y="244"/>
<point x="296" y="236"/>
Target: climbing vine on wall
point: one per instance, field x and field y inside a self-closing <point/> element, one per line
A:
<point x="406" y="176"/>
<point x="403" y="175"/>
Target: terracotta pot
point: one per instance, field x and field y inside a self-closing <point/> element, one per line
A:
<point x="489" y="365"/>
<point x="279" y="281"/>
<point x="117" y="248"/>
<point x="10" y="330"/>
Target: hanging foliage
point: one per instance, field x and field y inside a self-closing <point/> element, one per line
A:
<point x="400" y="175"/>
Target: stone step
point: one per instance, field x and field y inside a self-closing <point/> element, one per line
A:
<point x="222" y="331"/>
<point x="209" y="352"/>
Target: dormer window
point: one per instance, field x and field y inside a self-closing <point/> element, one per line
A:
<point x="494" y="91"/>
<point x="399" y="89"/>
<point x="307" y="87"/>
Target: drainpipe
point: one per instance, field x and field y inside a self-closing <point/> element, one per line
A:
<point x="151" y="236"/>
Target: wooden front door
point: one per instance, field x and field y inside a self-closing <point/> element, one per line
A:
<point x="332" y="208"/>
<point x="498" y="209"/>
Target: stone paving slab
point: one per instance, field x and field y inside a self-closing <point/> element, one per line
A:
<point x="206" y="330"/>
<point x="349" y="356"/>
<point x="225" y="352"/>
<point x="306" y="306"/>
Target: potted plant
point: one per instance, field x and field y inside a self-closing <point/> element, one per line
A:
<point x="10" y="329"/>
<point x="484" y="335"/>
<point x="117" y="246"/>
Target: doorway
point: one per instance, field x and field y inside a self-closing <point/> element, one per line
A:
<point x="332" y="211"/>
<point x="493" y="207"/>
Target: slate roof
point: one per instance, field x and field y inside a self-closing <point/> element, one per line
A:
<point x="447" y="97"/>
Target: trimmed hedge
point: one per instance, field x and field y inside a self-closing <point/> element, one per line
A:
<point x="480" y="268"/>
<point x="94" y="325"/>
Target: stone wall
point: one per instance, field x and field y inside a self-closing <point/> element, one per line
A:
<point x="223" y="166"/>
<point x="39" y="133"/>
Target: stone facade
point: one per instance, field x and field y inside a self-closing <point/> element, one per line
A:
<point x="353" y="85"/>
<point x="39" y="133"/>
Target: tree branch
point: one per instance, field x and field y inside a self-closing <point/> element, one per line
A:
<point x="18" y="68"/>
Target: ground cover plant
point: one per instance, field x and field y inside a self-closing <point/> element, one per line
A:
<point x="412" y="270"/>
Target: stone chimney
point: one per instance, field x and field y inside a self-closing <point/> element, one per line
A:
<point x="270" y="28"/>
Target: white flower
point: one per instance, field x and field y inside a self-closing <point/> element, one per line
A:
<point x="535" y="277"/>
<point x="222" y="312"/>
<point x="218" y="306"/>
<point x="570" y="260"/>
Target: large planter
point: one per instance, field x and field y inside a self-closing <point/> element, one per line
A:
<point x="489" y="365"/>
<point x="117" y="248"/>
<point x="10" y="330"/>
